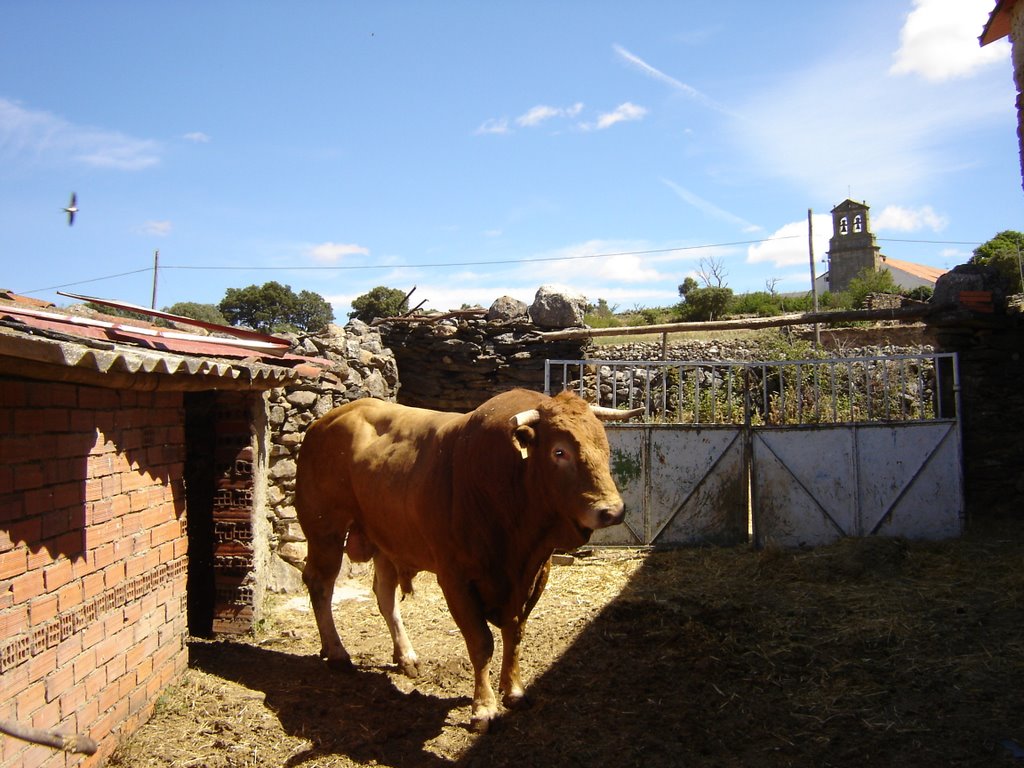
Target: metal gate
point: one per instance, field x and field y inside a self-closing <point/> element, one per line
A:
<point x="791" y="452"/>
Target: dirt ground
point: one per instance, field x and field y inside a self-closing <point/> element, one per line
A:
<point x="865" y="653"/>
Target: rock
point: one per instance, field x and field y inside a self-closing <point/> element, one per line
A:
<point x="505" y="308"/>
<point x="554" y="308"/>
<point x="969" y="277"/>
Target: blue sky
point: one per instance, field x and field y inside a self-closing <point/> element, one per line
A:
<point x="475" y="150"/>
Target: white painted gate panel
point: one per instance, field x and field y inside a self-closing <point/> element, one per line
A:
<point x="813" y="485"/>
<point x="680" y="486"/>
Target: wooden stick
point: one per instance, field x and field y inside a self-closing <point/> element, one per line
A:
<point x="73" y="743"/>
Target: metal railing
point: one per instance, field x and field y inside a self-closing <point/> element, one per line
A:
<point x="845" y="390"/>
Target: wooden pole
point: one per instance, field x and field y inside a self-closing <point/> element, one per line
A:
<point x="156" y="268"/>
<point x="814" y="279"/>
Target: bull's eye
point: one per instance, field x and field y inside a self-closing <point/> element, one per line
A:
<point x="559" y="453"/>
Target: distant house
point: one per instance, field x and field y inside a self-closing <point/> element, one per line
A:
<point x="852" y="250"/>
<point x="1007" y="18"/>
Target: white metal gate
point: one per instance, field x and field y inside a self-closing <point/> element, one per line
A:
<point x="793" y="452"/>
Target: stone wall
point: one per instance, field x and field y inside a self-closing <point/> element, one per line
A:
<point x="362" y="367"/>
<point x="989" y="340"/>
<point x="458" y="363"/>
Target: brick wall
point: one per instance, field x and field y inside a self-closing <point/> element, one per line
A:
<point x="92" y="561"/>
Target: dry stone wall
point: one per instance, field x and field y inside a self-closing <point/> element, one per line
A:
<point x="362" y="367"/>
<point x="458" y="363"/>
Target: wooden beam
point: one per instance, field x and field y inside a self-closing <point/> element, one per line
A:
<point x="750" y="323"/>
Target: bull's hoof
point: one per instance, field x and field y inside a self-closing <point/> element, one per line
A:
<point x="484" y="721"/>
<point x="516" y="700"/>
<point x="410" y="665"/>
<point x="343" y="664"/>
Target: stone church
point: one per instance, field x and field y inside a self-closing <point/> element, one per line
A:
<point x="852" y="250"/>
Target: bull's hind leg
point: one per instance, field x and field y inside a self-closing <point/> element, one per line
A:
<point x="323" y="564"/>
<point x="385" y="587"/>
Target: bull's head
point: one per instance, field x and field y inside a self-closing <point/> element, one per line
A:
<point x="570" y="459"/>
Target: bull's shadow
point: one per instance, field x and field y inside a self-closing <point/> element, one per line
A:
<point x="358" y="713"/>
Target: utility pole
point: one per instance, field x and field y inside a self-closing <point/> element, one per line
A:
<point x="814" y="279"/>
<point x="156" y="269"/>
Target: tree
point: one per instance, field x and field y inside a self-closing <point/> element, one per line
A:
<point x="379" y="302"/>
<point x="702" y="303"/>
<point x="870" y="281"/>
<point x="275" y="307"/>
<point x="1004" y="253"/>
<point x="207" y="313"/>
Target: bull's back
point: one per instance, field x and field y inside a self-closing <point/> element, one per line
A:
<point x="376" y="462"/>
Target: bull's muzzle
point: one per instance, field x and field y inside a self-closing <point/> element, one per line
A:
<point x="605" y="515"/>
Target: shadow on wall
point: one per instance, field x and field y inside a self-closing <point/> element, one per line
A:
<point x="77" y="470"/>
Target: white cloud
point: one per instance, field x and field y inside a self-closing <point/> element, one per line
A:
<point x="787" y="246"/>
<point x="710" y="209"/>
<point x="542" y="112"/>
<point x="887" y="138"/>
<point x="157" y="228"/>
<point x="329" y="253"/>
<point x="939" y="40"/>
<point x="197" y="137"/>
<point x="26" y="133"/>
<point x="656" y="74"/>
<point x="625" y="112"/>
<point x="493" y="125"/>
<point x="894" y="217"/>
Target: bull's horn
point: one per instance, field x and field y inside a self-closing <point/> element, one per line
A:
<point x="525" y="417"/>
<point x="614" y="414"/>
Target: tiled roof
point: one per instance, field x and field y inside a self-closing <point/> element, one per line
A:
<point x="921" y="271"/>
<point x="49" y="343"/>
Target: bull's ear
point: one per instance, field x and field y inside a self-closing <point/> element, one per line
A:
<point x="524" y="438"/>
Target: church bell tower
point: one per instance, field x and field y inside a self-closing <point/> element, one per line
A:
<point x="852" y="248"/>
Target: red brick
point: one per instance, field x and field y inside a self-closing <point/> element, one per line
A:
<point x="13" y="621"/>
<point x="42" y="664"/>
<point x="15" y="393"/>
<point x="30" y="700"/>
<point x="47" y="716"/>
<point x="98" y="398"/>
<point x="13" y="563"/>
<point x="28" y="476"/>
<point x="27" y="586"/>
<point x="59" y="682"/>
<point x="42" y="609"/>
<point x="57" y="575"/>
<point x="92" y="585"/>
<point x="69" y="596"/>
<point x="71" y="701"/>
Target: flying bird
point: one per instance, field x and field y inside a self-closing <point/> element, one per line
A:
<point x="72" y="209"/>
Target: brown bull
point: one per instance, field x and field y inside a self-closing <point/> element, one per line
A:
<point x="480" y="499"/>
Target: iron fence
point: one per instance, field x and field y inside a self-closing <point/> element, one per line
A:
<point x="845" y="390"/>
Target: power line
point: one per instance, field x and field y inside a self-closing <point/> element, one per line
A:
<point x="932" y="242"/>
<point x="485" y="263"/>
<point x="90" y="280"/>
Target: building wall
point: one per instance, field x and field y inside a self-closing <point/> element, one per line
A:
<point x="92" y="561"/>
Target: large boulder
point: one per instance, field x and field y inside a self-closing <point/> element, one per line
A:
<point x="970" y="277"/>
<point x="557" y="308"/>
<point x="505" y="309"/>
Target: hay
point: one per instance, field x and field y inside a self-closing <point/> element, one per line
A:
<point x="868" y="652"/>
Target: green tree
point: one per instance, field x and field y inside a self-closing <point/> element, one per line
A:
<point x="207" y="313"/>
<point x="275" y="307"/>
<point x="702" y="303"/>
<point x="1004" y="252"/>
<point x="379" y="302"/>
<point x="870" y="281"/>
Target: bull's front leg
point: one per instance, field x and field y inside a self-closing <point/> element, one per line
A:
<point x="385" y="586"/>
<point x="323" y="563"/>
<point x="511" y="682"/>
<point x="468" y="615"/>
